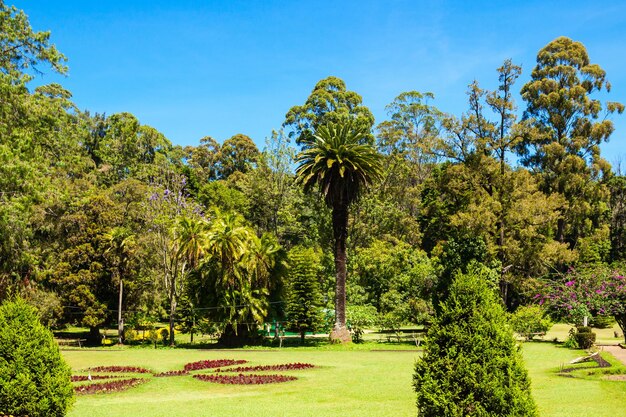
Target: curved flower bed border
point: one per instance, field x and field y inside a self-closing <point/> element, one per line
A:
<point x="123" y="369"/>
<point x="112" y="386"/>
<point x="281" y="367"/>
<point x="219" y="376"/>
<point x="81" y="378"/>
<point x="171" y="373"/>
<point x="245" y="379"/>
<point x="218" y="363"/>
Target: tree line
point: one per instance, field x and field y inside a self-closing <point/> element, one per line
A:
<point x="103" y="221"/>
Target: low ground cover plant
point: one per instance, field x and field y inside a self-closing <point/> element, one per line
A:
<point x="171" y="373"/>
<point x="81" y="378"/>
<point x="123" y="369"/>
<point x="244" y="379"/>
<point x="110" y="386"/>
<point x="218" y="363"/>
<point x="219" y="375"/>
<point x="281" y="367"/>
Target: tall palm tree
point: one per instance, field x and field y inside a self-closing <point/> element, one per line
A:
<point x="342" y="165"/>
<point x="192" y="236"/>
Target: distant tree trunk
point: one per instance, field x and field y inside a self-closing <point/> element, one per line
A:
<point x="340" y="332"/>
<point x="173" y="305"/>
<point x="120" y="322"/>
<point x="302" y="335"/>
<point x="621" y="321"/>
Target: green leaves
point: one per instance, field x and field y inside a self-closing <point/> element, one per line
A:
<point x="339" y="162"/>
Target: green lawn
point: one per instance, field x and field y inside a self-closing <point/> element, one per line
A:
<point x="347" y="382"/>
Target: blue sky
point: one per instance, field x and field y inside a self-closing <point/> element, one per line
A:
<point x="217" y="68"/>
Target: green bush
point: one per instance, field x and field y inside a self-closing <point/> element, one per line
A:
<point x="527" y="321"/>
<point x="471" y="364"/>
<point x="164" y="334"/>
<point x="34" y="379"/>
<point x="359" y="318"/>
<point x="584" y="337"/>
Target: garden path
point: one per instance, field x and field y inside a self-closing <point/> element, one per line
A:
<point x="616" y="351"/>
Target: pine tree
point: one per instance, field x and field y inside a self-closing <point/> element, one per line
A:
<point x="471" y="364"/>
<point x="34" y="378"/>
<point x="304" y="296"/>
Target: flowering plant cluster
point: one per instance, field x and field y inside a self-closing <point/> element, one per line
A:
<point x="111" y="386"/>
<point x="245" y="379"/>
<point x="172" y="373"/>
<point x="282" y="367"/>
<point x="241" y="379"/>
<point x="218" y="363"/>
<point x="80" y="378"/>
<point x="124" y="369"/>
<point x="588" y="292"/>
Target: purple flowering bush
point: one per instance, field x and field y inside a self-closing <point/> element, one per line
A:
<point x="590" y="292"/>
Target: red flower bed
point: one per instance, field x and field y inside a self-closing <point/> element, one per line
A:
<point x="124" y="369"/>
<point x="80" y="378"/>
<point x="245" y="379"/>
<point x="111" y="386"/>
<point x="172" y="373"/>
<point x="282" y="367"/>
<point x="218" y="363"/>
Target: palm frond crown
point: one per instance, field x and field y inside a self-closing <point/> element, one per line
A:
<point x="339" y="162"/>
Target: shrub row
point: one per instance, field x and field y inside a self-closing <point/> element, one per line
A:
<point x="282" y="367"/>
<point x="124" y="369"/>
<point x="245" y="379"/>
<point x="111" y="386"/>
<point x="218" y="363"/>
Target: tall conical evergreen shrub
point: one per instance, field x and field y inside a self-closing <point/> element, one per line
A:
<point x="471" y="364"/>
<point x="34" y="378"/>
<point x="304" y="297"/>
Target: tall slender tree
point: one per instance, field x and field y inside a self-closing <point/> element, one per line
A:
<point x="342" y="166"/>
<point x="567" y="126"/>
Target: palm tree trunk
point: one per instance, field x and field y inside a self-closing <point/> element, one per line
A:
<point x="340" y="230"/>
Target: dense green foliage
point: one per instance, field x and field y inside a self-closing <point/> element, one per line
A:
<point x="471" y="364"/>
<point x="304" y="299"/>
<point x="34" y="378"/>
<point x="529" y="321"/>
<point x="105" y="222"/>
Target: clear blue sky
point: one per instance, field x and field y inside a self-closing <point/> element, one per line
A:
<point x="197" y="68"/>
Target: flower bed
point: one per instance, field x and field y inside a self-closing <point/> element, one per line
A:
<point x="245" y="379"/>
<point x="172" y="373"/>
<point x="80" y="378"/>
<point x="112" y="386"/>
<point x="123" y="369"/>
<point x="217" y="363"/>
<point x="282" y="367"/>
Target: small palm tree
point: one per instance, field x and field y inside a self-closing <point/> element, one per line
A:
<point x="342" y="165"/>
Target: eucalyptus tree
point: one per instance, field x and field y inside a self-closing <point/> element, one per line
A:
<point x="567" y="127"/>
<point x="329" y="102"/>
<point x="342" y="166"/>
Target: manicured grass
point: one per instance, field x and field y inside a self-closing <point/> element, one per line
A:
<point x="349" y="383"/>
<point x="566" y="396"/>
<point x="346" y="381"/>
